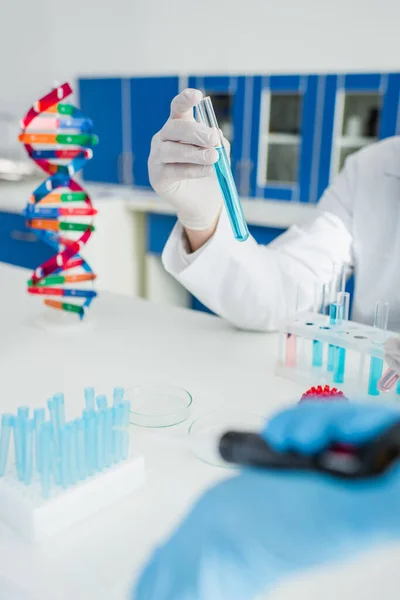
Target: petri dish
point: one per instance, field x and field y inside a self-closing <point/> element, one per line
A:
<point x="214" y="425"/>
<point x="158" y="405"/>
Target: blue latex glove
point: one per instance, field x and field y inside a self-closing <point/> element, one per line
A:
<point x="247" y="533"/>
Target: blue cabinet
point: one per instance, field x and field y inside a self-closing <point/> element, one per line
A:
<point x="232" y="101"/>
<point x="158" y="228"/>
<point x="126" y="114"/>
<point x="102" y="101"/>
<point x="150" y="99"/>
<point x="359" y="109"/>
<point x="20" y="246"/>
<point x="284" y="126"/>
<point x="290" y="134"/>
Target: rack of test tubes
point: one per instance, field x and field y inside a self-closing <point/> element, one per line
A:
<point x="54" y="473"/>
<point x="328" y="349"/>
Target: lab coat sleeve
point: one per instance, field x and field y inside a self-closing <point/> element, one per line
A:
<point x="254" y="286"/>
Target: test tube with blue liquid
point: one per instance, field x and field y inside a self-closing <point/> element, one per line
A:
<point x="338" y="283"/>
<point x="320" y="295"/>
<point x="206" y="115"/>
<point x="341" y="310"/>
<point x="376" y="365"/>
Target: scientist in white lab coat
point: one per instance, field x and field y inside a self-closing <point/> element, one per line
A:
<point x="251" y="285"/>
<point x="255" y="531"/>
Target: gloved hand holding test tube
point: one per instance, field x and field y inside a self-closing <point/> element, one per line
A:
<point x="206" y="115"/>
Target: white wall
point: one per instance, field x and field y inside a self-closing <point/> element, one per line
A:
<point x="169" y="36"/>
<point x="43" y="40"/>
<point x="25" y="56"/>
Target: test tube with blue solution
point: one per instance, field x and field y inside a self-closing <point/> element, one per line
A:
<point x="338" y="284"/>
<point x="206" y="115"/>
<point x="319" y="306"/>
<point x="376" y="365"/>
<point x="342" y="314"/>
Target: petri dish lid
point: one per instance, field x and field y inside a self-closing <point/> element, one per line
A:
<point x="158" y="405"/>
<point x="214" y="425"/>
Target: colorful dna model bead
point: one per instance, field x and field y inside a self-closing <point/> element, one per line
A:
<point x="59" y="139"/>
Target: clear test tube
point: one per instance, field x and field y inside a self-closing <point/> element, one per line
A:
<point x="206" y="115"/>
<point x="343" y="277"/>
<point x="335" y="287"/>
<point x="320" y="302"/>
<point x="376" y="365"/>
<point x="381" y="318"/>
<point x="343" y="305"/>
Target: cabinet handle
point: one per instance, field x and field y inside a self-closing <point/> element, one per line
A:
<point x="23" y="236"/>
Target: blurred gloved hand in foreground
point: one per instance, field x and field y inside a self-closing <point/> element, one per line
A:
<point x="392" y="353"/>
<point x="251" y="531"/>
<point x="181" y="164"/>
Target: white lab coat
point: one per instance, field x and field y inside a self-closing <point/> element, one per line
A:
<point x="253" y="286"/>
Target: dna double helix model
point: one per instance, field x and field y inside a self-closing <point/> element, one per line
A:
<point x="59" y="138"/>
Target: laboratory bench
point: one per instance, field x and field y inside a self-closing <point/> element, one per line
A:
<point x="127" y="342"/>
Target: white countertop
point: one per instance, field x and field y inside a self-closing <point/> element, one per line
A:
<point x="267" y="213"/>
<point x="131" y="341"/>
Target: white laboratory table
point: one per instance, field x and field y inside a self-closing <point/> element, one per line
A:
<point x="130" y="341"/>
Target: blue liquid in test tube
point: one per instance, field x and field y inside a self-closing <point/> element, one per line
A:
<point x="339" y="364"/>
<point x="333" y="310"/>
<point x="331" y="357"/>
<point x="398" y="387"/>
<point x="206" y="115"/>
<point x="375" y="373"/>
<point x="339" y="313"/>
<point x="317" y="353"/>
<point x="319" y="306"/>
